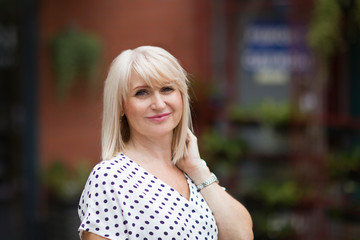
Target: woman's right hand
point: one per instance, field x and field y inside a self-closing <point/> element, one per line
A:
<point x="192" y="164"/>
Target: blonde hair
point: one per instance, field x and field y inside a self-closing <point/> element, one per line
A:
<point x="155" y="66"/>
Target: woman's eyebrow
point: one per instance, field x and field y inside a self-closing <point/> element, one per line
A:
<point x="140" y="87"/>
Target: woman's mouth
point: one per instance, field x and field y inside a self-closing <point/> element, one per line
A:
<point x="159" y="117"/>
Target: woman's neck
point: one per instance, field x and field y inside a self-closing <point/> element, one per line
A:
<point x="144" y="149"/>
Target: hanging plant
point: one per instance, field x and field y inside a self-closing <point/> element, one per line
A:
<point x="324" y="33"/>
<point x="334" y="22"/>
<point x="76" y="55"/>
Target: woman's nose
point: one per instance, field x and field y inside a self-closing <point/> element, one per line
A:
<point x="158" y="101"/>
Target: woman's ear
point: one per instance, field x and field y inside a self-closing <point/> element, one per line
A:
<point x="122" y="115"/>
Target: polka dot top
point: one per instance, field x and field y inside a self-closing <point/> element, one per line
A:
<point x="121" y="200"/>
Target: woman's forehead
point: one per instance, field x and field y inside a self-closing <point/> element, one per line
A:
<point x="136" y="81"/>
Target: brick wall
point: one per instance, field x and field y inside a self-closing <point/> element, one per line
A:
<point x="70" y="129"/>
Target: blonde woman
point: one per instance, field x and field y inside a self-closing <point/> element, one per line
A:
<point x="151" y="182"/>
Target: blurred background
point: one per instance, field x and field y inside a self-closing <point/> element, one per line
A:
<point x="275" y="94"/>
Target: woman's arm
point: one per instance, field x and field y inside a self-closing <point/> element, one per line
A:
<point x="233" y="220"/>
<point x="91" y="236"/>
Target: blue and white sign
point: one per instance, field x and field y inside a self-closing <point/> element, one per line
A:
<point x="273" y="50"/>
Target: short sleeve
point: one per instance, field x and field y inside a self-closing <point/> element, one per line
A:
<point x="99" y="207"/>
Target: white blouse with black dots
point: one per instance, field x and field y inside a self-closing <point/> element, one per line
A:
<point x="121" y="200"/>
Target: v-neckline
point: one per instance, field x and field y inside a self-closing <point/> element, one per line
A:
<point x="188" y="180"/>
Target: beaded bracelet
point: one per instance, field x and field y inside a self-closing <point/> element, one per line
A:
<point x="208" y="182"/>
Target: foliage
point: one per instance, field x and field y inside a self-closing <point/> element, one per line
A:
<point x="65" y="183"/>
<point x="331" y="19"/>
<point x="324" y="33"/>
<point x="340" y="164"/>
<point x="75" y="54"/>
<point x="267" y="112"/>
<point x="278" y="193"/>
<point x="217" y="146"/>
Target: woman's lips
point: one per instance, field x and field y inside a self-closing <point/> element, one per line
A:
<point x="159" y="117"/>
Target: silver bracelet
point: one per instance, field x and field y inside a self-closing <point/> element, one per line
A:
<point x="207" y="182"/>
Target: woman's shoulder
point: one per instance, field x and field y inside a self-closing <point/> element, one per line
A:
<point x="119" y="165"/>
<point x="118" y="160"/>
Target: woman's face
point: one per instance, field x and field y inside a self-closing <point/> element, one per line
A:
<point x="152" y="112"/>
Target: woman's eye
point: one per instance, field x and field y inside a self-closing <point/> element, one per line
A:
<point x="167" y="89"/>
<point x="141" y="92"/>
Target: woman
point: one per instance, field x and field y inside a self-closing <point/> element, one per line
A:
<point x="152" y="183"/>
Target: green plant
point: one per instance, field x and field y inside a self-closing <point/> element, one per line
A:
<point x="217" y="147"/>
<point x="278" y="193"/>
<point x="273" y="113"/>
<point x="75" y="54"/>
<point x="242" y="113"/>
<point x="324" y="33"/>
<point x="340" y="164"/>
<point x="333" y="23"/>
<point x="65" y="183"/>
<point x="267" y="112"/>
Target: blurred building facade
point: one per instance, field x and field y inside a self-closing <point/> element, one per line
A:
<point x="241" y="54"/>
<point x="39" y="127"/>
